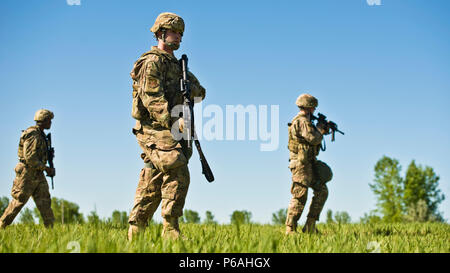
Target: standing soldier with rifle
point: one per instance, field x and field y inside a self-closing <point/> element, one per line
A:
<point x="30" y="181"/>
<point x="157" y="75"/>
<point x="307" y="172"/>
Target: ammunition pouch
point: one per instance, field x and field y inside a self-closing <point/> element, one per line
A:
<point x="165" y="160"/>
<point x="138" y="110"/>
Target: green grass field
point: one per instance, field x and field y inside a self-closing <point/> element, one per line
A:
<point x="384" y="238"/>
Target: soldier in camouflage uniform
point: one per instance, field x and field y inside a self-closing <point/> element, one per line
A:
<point x="30" y="179"/>
<point x="304" y="145"/>
<point x="156" y="91"/>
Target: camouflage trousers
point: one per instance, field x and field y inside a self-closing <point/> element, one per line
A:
<point x="28" y="183"/>
<point x="299" y="192"/>
<point x="298" y="202"/>
<point x="160" y="184"/>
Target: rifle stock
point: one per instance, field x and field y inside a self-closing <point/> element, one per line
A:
<point x="206" y="170"/>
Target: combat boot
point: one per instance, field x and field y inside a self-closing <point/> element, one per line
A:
<point x="291" y="230"/>
<point x="310" y="226"/>
<point x="133" y="231"/>
<point x="171" y="229"/>
<point x="291" y="224"/>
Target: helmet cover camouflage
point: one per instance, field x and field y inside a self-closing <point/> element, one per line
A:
<point x="168" y="20"/>
<point x="323" y="172"/>
<point x="43" y="114"/>
<point x="307" y="101"/>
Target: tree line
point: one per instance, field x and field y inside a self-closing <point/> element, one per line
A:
<point x="412" y="198"/>
<point x="67" y="212"/>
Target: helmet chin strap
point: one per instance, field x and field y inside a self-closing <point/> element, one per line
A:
<point x="163" y="35"/>
<point x="172" y="46"/>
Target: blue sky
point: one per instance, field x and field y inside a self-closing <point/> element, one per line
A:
<point x="380" y="72"/>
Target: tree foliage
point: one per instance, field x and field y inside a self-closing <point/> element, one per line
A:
<point x="209" y="218"/>
<point x="26" y="216"/>
<point x="65" y="212"/>
<point x="388" y="187"/>
<point x="240" y="217"/>
<point x="119" y="218"/>
<point x="415" y="197"/>
<point x="330" y="216"/>
<point x="279" y="217"/>
<point x="421" y="192"/>
<point x="93" y="218"/>
<point x="370" y="218"/>
<point x="340" y="217"/>
<point x="190" y="216"/>
<point x="4" y="201"/>
<point x="418" y="212"/>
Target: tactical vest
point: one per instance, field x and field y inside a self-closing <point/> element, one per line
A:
<point x="157" y="109"/>
<point x="293" y="142"/>
<point x="41" y="151"/>
<point x="138" y="111"/>
<point x="296" y="143"/>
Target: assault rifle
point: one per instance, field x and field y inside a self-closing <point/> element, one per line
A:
<point x="188" y="117"/>
<point x="50" y="155"/>
<point x="322" y="119"/>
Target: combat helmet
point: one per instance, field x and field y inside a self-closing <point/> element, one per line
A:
<point x="43" y="114"/>
<point x="323" y="172"/>
<point x="307" y="101"/>
<point x="168" y="20"/>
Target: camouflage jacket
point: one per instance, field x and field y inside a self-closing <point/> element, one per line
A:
<point x="156" y="90"/>
<point x="304" y="140"/>
<point x="33" y="148"/>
